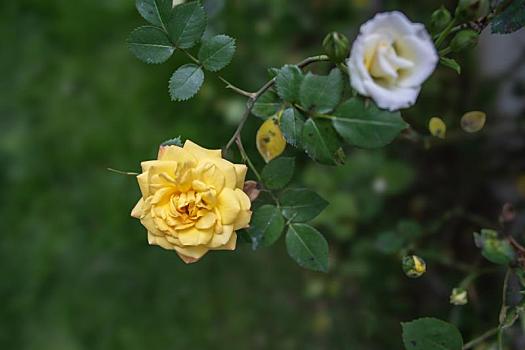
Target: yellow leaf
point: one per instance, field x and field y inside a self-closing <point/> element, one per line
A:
<point x="270" y="140"/>
<point x="437" y="127"/>
<point x="473" y="121"/>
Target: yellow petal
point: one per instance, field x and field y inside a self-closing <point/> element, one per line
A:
<point x="207" y="221"/>
<point x="228" y="206"/>
<point x="227" y="169"/>
<point x="191" y="254"/>
<point x="270" y="140"/>
<point x="213" y="176"/>
<point x="194" y="236"/>
<point x="160" y="241"/>
<point x="243" y="198"/>
<point x="175" y="153"/>
<point x="137" y="210"/>
<point x="240" y="170"/>
<point x="201" y="152"/>
<point x="148" y="222"/>
<point x="230" y="244"/>
<point x="243" y="220"/>
<point x="143" y="180"/>
<point x="220" y="239"/>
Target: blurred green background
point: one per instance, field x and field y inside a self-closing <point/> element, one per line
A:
<point x="76" y="271"/>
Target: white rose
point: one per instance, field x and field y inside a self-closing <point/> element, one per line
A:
<point x="390" y="59"/>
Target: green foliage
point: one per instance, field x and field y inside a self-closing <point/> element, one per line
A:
<point x="186" y="82"/>
<point x="364" y="125"/>
<point x="321" y="93"/>
<point x="267" y="105"/>
<point x="156" y="12"/>
<point x="278" y="173"/>
<point x="511" y="19"/>
<point x="266" y="226"/>
<point x="440" y="19"/>
<point x="187" y="24"/>
<point x="301" y="205"/>
<point x="291" y="124"/>
<point x="176" y="141"/>
<point x="450" y="63"/>
<point x="336" y="46"/>
<point x="493" y="248"/>
<point x="288" y="83"/>
<point x="150" y="45"/>
<point x="307" y="247"/>
<point x="321" y="142"/>
<point x="431" y="334"/>
<point x="216" y="52"/>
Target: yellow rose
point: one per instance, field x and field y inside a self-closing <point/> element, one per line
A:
<point x="192" y="200"/>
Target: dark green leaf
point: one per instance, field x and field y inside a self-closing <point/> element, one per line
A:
<point x="176" y="141"/>
<point x="321" y="93"/>
<point x="187" y="24"/>
<point x="278" y="173"/>
<point x="186" y="82"/>
<point x="389" y="242"/>
<point x="495" y="249"/>
<point x="266" y="226"/>
<point x="367" y="126"/>
<point x="301" y="204"/>
<point x="511" y="19"/>
<point x="431" y="334"/>
<point x="450" y="63"/>
<point x="156" y="12"/>
<point x="307" y="247"/>
<point x="292" y="124"/>
<point x="150" y="44"/>
<point x="321" y="142"/>
<point x="267" y="105"/>
<point x="288" y="83"/>
<point x="217" y="52"/>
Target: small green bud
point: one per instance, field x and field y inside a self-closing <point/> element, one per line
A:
<point x="414" y="266"/>
<point x="459" y="296"/>
<point x="440" y="19"/>
<point x="463" y="40"/>
<point x="336" y="46"/>
<point x="472" y="9"/>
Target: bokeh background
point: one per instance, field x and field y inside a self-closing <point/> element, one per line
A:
<point x="75" y="269"/>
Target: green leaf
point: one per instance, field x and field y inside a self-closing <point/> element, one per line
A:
<point x="267" y="105"/>
<point x="301" y="204"/>
<point x="266" y="226"/>
<point x="278" y="173"/>
<point x="156" y="12"/>
<point x="187" y="24"/>
<point x="321" y="142"/>
<point x="288" y="83"/>
<point x="307" y="247"/>
<point x="186" y="82"/>
<point x="367" y="126"/>
<point x="292" y="124"/>
<point x="150" y="44"/>
<point x="217" y="52"/>
<point x="511" y="19"/>
<point x="496" y="250"/>
<point x="431" y="334"/>
<point x="450" y="63"/>
<point x="176" y="141"/>
<point x="321" y="93"/>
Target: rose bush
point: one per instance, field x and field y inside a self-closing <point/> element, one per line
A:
<point x="192" y="200"/>
<point x="390" y="59"/>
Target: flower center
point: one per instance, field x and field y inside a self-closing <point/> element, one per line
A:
<point x="383" y="61"/>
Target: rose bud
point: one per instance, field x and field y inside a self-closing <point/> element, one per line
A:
<point x="336" y="46"/>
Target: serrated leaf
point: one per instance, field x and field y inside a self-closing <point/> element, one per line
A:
<point x="267" y="105"/>
<point x="367" y="126"/>
<point x="150" y="44"/>
<point x="301" y="204"/>
<point x="321" y="142"/>
<point x="321" y="93"/>
<point x="307" y="247"/>
<point x="187" y="24"/>
<point x="269" y="140"/>
<point x="176" y="141"/>
<point x="288" y="83"/>
<point x="278" y="173"/>
<point x="216" y="52"/>
<point x="266" y="226"/>
<point x="431" y="334"/>
<point x="450" y="63"/>
<point x="292" y="124"/>
<point x="186" y="82"/>
<point x="511" y="19"/>
<point x="156" y="12"/>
